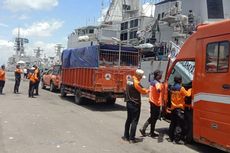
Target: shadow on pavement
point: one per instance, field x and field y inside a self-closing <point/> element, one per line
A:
<point x="102" y="107"/>
<point x="162" y="132"/>
<point x="201" y="148"/>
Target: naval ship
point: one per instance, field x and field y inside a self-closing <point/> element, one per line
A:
<point x="159" y="35"/>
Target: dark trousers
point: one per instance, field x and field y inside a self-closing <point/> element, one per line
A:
<point x="177" y="119"/>
<point x="133" y="115"/>
<point x="16" y="85"/>
<point x="154" y="115"/>
<point x="36" y="87"/>
<point x="31" y="89"/>
<point x="2" y="84"/>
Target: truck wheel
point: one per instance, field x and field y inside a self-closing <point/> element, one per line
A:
<point x="43" y="85"/>
<point x="78" y="99"/>
<point x="111" y="101"/>
<point x="52" y="88"/>
<point x="63" y="94"/>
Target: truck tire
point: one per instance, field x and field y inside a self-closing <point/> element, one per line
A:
<point x="111" y="101"/>
<point x="78" y="99"/>
<point x="63" y="93"/>
<point x="52" y="87"/>
<point x="43" y="85"/>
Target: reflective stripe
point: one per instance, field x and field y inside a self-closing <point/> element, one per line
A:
<point x="217" y="98"/>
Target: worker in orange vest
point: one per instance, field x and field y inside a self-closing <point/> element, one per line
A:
<point x="2" y="78"/>
<point x="17" y="74"/>
<point x="155" y="100"/>
<point x="133" y="99"/>
<point x="33" y="79"/>
<point x="37" y="72"/>
<point x="178" y="94"/>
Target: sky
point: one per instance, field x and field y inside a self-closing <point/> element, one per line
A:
<point x="44" y="22"/>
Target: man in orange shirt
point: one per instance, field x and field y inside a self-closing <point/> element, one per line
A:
<point x="17" y="74"/>
<point x="133" y="99"/>
<point x="2" y="78"/>
<point x="155" y="100"/>
<point x="178" y="94"/>
<point x="37" y="72"/>
<point x="33" y="79"/>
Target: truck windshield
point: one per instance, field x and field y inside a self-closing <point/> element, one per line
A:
<point x="185" y="69"/>
<point x="111" y="58"/>
<point x="56" y="69"/>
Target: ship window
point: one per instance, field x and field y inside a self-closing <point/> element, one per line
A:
<point x="133" y="23"/>
<point x="133" y="34"/>
<point x="91" y="30"/>
<point x="217" y="57"/>
<point x="163" y="15"/>
<point x="124" y="36"/>
<point x="124" y="26"/>
<point x="126" y="7"/>
<point x="159" y="17"/>
<point x="215" y="9"/>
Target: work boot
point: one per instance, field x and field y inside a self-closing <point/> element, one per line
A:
<point x="153" y="135"/>
<point x="142" y="131"/>
<point x="124" y="138"/>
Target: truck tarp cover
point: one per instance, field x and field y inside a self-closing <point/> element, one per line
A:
<point x="80" y="57"/>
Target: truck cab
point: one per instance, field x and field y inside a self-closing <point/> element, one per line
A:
<point x="203" y="61"/>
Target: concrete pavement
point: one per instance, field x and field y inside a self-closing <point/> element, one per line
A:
<point x="50" y="124"/>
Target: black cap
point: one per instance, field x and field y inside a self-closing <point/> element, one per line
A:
<point x="157" y="72"/>
<point x="178" y="78"/>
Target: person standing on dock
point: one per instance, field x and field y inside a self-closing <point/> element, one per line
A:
<point x="17" y="74"/>
<point x="2" y="78"/>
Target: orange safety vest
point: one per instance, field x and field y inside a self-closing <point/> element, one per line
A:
<point x="178" y="97"/>
<point x="19" y="71"/>
<point x="32" y="77"/>
<point x="2" y="75"/>
<point x="155" y="93"/>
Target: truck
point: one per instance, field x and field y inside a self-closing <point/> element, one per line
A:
<point x="205" y="58"/>
<point x="98" y="73"/>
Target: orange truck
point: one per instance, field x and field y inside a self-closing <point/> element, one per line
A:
<point x="205" y="58"/>
<point x="98" y="72"/>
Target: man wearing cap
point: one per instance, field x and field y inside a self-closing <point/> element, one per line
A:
<point x="178" y="94"/>
<point x="133" y="99"/>
<point x="2" y="78"/>
<point x="37" y="73"/>
<point x="33" y="79"/>
<point x="17" y="74"/>
<point x="155" y="100"/>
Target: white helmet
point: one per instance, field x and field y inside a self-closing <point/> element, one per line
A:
<point x="140" y="73"/>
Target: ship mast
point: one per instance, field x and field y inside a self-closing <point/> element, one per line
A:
<point x="37" y="52"/>
<point x="19" y="45"/>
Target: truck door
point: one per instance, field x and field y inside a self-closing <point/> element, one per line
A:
<point x="212" y="91"/>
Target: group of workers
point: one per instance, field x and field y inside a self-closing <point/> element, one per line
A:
<point x="134" y="89"/>
<point x="33" y="76"/>
<point x="133" y="98"/>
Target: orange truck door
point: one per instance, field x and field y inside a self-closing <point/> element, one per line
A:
<point x="212" y="92"/>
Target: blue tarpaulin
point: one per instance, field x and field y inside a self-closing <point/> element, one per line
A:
<point x="80" y="57"/>
<point x="88" y="56"/>
<point x="66" y="58"/>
